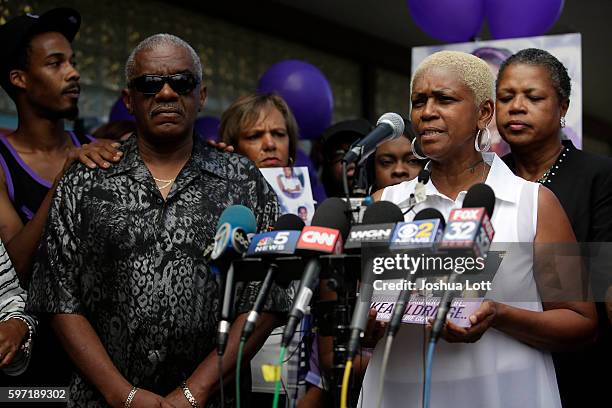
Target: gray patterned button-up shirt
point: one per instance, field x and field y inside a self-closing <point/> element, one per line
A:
<point x="132" y="263"/>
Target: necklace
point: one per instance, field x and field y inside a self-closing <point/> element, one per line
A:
<point x="167" y="184"/>
<point x="472" y="168"/>
<point x="547" y="176"/>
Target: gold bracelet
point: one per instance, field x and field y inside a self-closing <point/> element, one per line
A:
<point x="130" y="398"/>
<point x="189" y="396"/>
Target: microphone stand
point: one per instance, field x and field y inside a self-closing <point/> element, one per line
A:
<point x="334" y="317"/>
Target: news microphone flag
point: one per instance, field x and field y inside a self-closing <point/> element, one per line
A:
<point x="231" y="242"/>
<point x="373" y="233"/>
<point x="320" y="239"/>
<point x="324" y="241"/>
<point x="330" y="225"/>
<point x="417" y="234"/>
<point x="273" y="243"/>
<point x="269" y="245"/>
<point x="468" y="230"/>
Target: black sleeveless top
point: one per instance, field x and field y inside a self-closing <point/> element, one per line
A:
<point x="26" y="189"/>
<point x="49" y="365"/>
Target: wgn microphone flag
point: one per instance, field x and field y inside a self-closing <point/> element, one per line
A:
<point x="380" y="216"/>
<point x="377" y="225"/>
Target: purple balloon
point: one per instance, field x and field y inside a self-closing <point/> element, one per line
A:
<point x="448" y="20"/>
<point x="208" y="127"/>
<point x="119" y="112"/>
<point x="306" y="91"/>
<point x="521" y="18"/>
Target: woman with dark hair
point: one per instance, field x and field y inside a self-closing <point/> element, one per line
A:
<point x="503" y="358"/>
<point x="262" y="128"/>
<point x="533" y="97"/>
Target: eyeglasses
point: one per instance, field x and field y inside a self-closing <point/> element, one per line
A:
<point x="182" y="83"/>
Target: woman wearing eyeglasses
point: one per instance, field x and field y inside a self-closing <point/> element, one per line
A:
<point x="503" y="358"/>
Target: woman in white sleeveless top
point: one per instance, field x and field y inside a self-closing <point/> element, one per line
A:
<point x="503" y="359"/>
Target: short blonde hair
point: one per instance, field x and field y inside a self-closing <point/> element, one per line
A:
<point x="244" y="113"/>
<point x="473" y="72"/>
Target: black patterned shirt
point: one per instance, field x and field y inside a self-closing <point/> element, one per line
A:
<point x="132" y="263"/>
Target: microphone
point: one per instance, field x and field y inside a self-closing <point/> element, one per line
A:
<point x="377" y="225"/>
<point x="237" y="215"/>
<point x="281" y="241"/>
<point x="420" y="191"/>
<point x="329" y="227"/>
<point x="469" y="231"/>
<point x="389" y="126"/>
<point x="421" y="235"/>
<point x="231" y="242"/>
<point x="381" y="213"/>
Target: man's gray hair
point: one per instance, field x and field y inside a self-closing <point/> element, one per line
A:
<point x="155" y="41"/>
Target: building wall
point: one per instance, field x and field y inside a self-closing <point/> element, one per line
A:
<point x="233" y="57"/>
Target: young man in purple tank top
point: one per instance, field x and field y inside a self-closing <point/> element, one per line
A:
<point x="37" y="70"/>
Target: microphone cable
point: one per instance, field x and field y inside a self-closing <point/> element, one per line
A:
<point x="238" y="366"/>
<point x="345" y="383"/>
<point x="345" y="186"/>
<point x="428" y="368"/>
<point x="436" y="330"/>
<point x="220" y="368"/>
<point x="259" y="301"/>
<point x="383" y="368"/>
<point x="278" y="375"/>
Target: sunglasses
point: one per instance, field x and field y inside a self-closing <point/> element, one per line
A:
<point x="182" y="83"/>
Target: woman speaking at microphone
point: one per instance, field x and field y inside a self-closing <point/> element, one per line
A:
<point x="508" y="363"/>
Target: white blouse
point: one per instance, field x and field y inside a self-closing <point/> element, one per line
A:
<point x="497" y="370"/>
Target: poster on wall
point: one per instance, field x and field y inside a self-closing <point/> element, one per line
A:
<point x="292" y="187"/>
<point x="566" y="47"/>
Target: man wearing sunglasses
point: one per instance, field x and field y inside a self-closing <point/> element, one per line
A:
<point x="121" y="267"/>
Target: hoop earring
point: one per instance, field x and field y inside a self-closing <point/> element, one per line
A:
<point x="416" y="151"/>
<point x="562" y="121"/>
<point x="487" y="144"/>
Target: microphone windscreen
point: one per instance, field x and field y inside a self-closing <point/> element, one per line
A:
<point x="289" y="222"/>
<point x="395" y="121"/>
<point x="424" y="176"/>
<point x="382" y="212"/>
<point x="480" y="195"/>
<point x="333" y="213"/>
<point x="239" y="216"/>
<point x="430" y="214"/>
